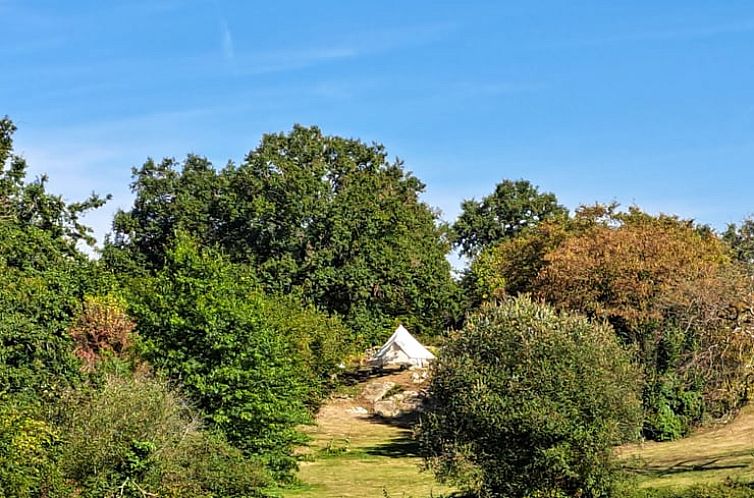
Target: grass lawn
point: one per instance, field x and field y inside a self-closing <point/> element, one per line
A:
<point x="354" y="455"/>
<point x="709" y="456"/>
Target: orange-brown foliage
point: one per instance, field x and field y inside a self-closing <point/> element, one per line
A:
<point x="101" y="327"/>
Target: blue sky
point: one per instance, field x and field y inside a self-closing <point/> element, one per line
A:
<point x="639" y="102"/>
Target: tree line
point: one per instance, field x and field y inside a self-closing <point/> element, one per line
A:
<point x="184" y="359"/>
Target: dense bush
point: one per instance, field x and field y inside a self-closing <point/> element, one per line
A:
<point x="249" y="361"/>
<point x="135" y="436"/>
<point x="668" y="287"/>
<point x="525" y="400"/>
<point x="318" y="344"/>
<point x="39" y="298"/>
<point x="28" y="450"/>
<point x="129" y="438"/>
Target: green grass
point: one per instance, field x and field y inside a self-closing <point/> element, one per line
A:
<point x="357" y="456"/>
<point x="706" y="457"/>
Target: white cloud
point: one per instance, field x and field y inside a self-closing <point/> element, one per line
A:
<point x="227" y="42"/>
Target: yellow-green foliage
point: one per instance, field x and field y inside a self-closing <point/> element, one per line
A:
<point x="137" y="435"/>
<point x="128" y="438"/>
<point x="26" y="443"/>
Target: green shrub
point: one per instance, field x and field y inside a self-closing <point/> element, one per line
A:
<point x="27" y="451"/>
<point x="318" y="344"/>
<point x="204" y="464"/>
<point x="528" y="402"/>
<point x="135" y="435"/>
<point x="41" y="290"/>
<point x="208" y="327"/>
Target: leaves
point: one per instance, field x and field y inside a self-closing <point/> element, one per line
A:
<point x="325" y="218"/>
<point x="525" y="400"/>
<point x="668" y="287"/>
<point x="208" y="327"/>
<point x="513" y="207"/>
<point x="29" y="205"/>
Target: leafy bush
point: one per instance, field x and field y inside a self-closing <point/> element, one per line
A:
<point x="528" y="402"/>
<point x="136" y="436"/>
<point x="667" y="286"/>
<point x="208" y="327"/>
<point x="27" y="449"/>
<point x="318" y="344"/>
<point x="38" y="301"/>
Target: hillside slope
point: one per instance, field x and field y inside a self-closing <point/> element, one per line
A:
<point x="357" y="454"/>
<point x="710" y="455"/>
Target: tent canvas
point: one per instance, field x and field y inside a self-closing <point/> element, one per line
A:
<point x="402" y="349"/>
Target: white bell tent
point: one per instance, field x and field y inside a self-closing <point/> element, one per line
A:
<point x="402" y="349"/>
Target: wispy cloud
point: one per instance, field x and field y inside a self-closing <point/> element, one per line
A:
<point x="350" y="46"/>
<point x="290" y="60"/>
<point x="674" y="33"/>
<point x="229" y="52"/>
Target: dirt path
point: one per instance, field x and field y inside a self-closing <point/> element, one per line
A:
<point x="358" y="455"/>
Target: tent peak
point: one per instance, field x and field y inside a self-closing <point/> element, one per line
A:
<point x="402" y="349"/>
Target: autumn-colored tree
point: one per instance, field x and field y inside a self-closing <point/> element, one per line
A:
<point x="670" y="289"/>
<point x="672" y="292"/>
<point x="511" y="267"/>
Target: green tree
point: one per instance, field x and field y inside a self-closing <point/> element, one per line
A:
<point x="208" y="326"/>
<point x="29" y="205"/>
<point x="324" y="217"/>
<point x="525" y="401"/>
<point x="513" y="207"/>
<point x="741" y="240"/>
<point x="43" y="276"/>
<point x="170" y="197"/>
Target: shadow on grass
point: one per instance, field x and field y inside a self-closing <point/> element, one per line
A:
<point x="692" y="465"/>
<point x="403" y="421"/>
<point x="399" y="447"/>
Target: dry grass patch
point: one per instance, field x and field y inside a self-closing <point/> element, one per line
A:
<point x="708" y="456"/>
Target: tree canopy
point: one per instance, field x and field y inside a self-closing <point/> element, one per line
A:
<point x="239" y="354"/>
<point x="511" y="208"/>
<point x="741" y="240"/>
<point x="669" y="288"/>
<point x="327" y="218"/>
<point x="29" y="205"/>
